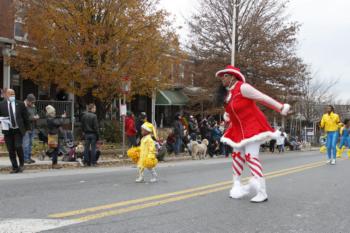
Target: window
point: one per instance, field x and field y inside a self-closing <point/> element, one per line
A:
<point x="182" y="71"/>
<point x="20" y="35"/>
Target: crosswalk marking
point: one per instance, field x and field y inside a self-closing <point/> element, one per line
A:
<point x="23" y="225"/>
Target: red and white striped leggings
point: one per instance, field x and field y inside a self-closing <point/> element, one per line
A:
<point x="248" y="154"/>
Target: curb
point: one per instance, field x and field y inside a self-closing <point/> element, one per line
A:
<point x="102" y="163"/>
<point x="108" y="163"/>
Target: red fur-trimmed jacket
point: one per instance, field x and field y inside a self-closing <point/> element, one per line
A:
<point x="246" y="121"/>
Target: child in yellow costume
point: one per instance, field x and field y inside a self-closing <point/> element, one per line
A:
<point x="147" y="153"/>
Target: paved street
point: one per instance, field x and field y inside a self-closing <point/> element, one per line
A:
<point x="305" y="195"/>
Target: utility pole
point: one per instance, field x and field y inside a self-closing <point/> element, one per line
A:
<point x="233" y="48"/>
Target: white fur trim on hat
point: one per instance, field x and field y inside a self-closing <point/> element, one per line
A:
<point x="285" y="109"/>
<point x="236" y="73"/>
<point x="146" y="128"/>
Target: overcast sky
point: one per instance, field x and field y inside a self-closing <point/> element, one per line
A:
<point x="324" y="39"/>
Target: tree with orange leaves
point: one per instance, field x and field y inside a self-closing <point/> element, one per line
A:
<point x="86" y="46"/>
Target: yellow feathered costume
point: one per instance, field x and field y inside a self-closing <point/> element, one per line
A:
<point x="134" y="154"/>
<point x="148" y="157"/>
<point x="148" y="153"/>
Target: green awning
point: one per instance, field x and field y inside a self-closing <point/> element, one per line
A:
<point x="171" y="98"/>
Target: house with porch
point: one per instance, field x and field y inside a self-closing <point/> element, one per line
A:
<point x="160" y="107"/>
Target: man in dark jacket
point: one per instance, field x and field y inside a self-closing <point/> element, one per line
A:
<point x="193" y="128"/>
<point x="15" y="123"/>
<point x="178" y="133"/>
<point x="89" y="126"/>
<point x="29" y="102"/>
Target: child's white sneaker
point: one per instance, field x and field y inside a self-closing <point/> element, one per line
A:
<point x="154" y="176"/>
<point x="139" y="179"/>
<point x="153" y="180"/>
<point x="333" y="162"/>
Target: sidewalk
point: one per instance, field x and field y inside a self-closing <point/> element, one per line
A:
<point x="5" y="164"/>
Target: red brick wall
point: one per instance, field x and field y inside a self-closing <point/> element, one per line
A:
<point x="6" y="19"/>
<point x="1" y="71"/>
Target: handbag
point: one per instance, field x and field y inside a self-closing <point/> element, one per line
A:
<point x="52" y="141"/>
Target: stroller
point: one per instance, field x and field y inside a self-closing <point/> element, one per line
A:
<point x="66" y="149"/>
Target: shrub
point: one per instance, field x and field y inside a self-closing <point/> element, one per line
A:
<point x="111" y="131"/>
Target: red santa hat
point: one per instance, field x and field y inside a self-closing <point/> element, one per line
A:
<point x="232" y="71"/>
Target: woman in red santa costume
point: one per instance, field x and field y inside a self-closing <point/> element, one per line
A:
<point x="248" y="129"/>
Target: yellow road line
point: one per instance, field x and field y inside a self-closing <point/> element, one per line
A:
<point x="175" y="199"/>
<point x="136" y="201"/>
<point x="151" y="198"/>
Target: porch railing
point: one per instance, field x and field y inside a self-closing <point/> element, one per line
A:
<point x="60" y="106"/>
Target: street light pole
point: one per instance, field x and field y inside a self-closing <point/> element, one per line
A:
<point x="233" y="48"/>
<point x="123" y="148"/>
<point x="126" y="83"/>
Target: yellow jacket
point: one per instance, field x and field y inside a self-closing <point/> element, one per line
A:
<point x="330" y="122"/>
<point x="148" y="149"/>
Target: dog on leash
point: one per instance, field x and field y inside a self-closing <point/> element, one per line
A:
<point x="199" y="150"/>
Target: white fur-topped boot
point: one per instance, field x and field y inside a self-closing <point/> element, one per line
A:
<point x="237" y="190"/>
<point x="252" y="187"/>
<point x="261" y="195"/>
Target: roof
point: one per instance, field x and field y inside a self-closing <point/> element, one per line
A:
<point x="171" y="98"/>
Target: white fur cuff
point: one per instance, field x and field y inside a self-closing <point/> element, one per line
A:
<point x="285" y="109"/>
<point x="226" y="117"/>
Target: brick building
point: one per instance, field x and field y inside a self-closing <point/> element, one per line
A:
<point x="11" y="33"/>
<point x="160" y="108"/>
<point x="6" y="40"/>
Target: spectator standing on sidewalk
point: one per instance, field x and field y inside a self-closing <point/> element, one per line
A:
<point x="16" y="127"/>
<point x="214" y="146"/>
<point x="205" y="130"/>
<point x="89" y="126"/>
<point x="272" y="144"/>
<point x="130" y="129"/>
<point x="54" y="125"/>
<point x="29" y="102"/>
<point x="281" y="139"/>
<point x="193" y="128"/>
<point x="178" y="133"/>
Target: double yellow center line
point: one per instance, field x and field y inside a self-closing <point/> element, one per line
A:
<point x="114" y="209"/>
